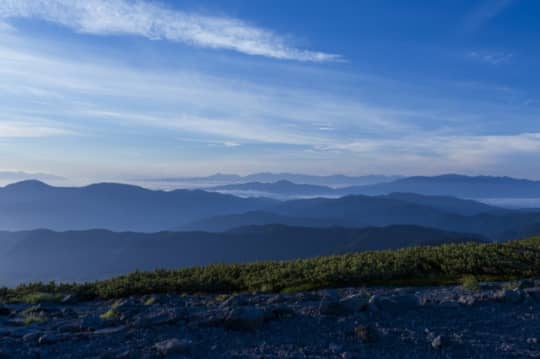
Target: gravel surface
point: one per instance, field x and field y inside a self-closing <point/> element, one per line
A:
<point x="498" y="320"/>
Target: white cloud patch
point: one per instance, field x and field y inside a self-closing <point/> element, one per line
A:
<point x="450" y="150"/>
<point x="5" y="27"/>
<point x="491" y="57"/>
<point x="123" y="17"/>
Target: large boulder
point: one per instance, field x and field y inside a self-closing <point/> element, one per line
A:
<point x="394" y="303"/>
<point x="509" y="296"/>
<point x="158" y="317"/>
<point x="244" y="318"/>
<point x="533" y="292"/>
<point x="235" y="301"/>
<point x="345" y="306"/>
<point x="49" y="338"/>
<point x="174" y="347"/>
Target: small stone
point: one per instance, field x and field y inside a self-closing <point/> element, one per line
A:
<point x="346" y="306"/>
<point x="48" y="339"/>
<point x="69" y="328"/>
<point x="365" y="334"/>
<point x="158" y="317"/>
<point x="509" y="296"/>
<point x="107" y="331"/>
<point x="329" y="306"/>
<point x="127" y="355"/>
<point x="4" y="311"/>
<point x="334" y="348"/>
<point x="354" y="303"/>
<point x="533" y="292"/>
<point x="282" y="311"/>
<point x="278" y="298"/>
<point x="393" y="303"/>
<point x="526" y="283"/>
<point x="234" y="301"/>
<point x="31" y="337"/>
<point x="171" y="347"/>
<point x="69" y="299"/>
<point x="467" y="300"/>
<point x="438" y="342"/>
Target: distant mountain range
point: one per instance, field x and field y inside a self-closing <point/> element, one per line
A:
<point x="33" y="204"/>
<point x="457" y="186"/>
<point x="44" y="255"/>
<point x="482" y="187"/>
<point x="403" y="209"/>
<point x="220" y="179"/>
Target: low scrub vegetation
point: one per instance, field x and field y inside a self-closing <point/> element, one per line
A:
<point x="470" y="282"/>
<point x="445" y="264"/>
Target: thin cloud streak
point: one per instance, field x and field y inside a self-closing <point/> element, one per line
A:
<point x="461" y="150"/>
<point x="484" y="13"/>
<point x="122" y="17"/>
<point x="29" y="130"/>
<point x="491" y="57"/>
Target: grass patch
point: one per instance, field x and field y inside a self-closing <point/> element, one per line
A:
<point x="111" y="314"/>
<point x="300" y="288"/>
<point x="512" y="285"/>
<point x="150" y="300"/>
<point x="41" y="297"/>
<point x="442" y="265"/>
<point x="33" y="318"/>
<point x="469" y="282"/>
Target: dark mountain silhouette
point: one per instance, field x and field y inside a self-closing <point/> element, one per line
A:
<point x="455" y="185"/>
<point x="364" y="211"/>
<point x="33" y="204"/>
<point x="227" y="222"/>
<point x="89" y="255"/>
<point x="378" y="206"/>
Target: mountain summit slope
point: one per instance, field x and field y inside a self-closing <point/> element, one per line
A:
<point x="44" y="255"/>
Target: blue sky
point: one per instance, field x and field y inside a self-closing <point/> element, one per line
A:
<point x="117" y="90"/>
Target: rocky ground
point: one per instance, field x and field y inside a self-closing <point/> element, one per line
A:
<point x="498" y="320"/>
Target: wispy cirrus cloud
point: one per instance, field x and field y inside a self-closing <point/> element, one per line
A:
<point x="139" y="18"/>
